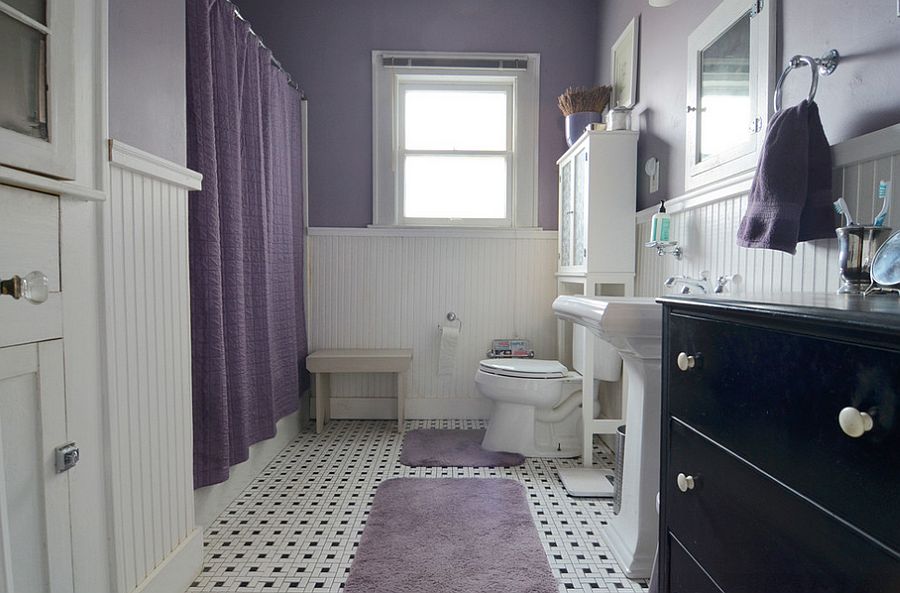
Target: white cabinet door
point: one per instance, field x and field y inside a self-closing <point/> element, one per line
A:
<point x="566" y="215"/>
<point x="579" y="225"/>
<point x="35" y="533"/>
<point x="37" y="70"/>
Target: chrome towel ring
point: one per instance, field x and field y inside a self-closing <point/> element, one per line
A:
<point x="824" y="66"/>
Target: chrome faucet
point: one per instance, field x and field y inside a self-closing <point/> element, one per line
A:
<point x="689" y="284"/>
<point x="702" y="284"/>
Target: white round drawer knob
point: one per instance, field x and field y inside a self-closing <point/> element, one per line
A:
<point x="685" y="482"/>
<point x="855" y="423"/>
<point x="686" y="362"/>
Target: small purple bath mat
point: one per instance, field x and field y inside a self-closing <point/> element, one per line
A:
<point x="431" y="447"/>
<point x="456" y="535"/>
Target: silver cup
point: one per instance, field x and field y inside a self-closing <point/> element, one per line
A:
<point x="858" y="245"/>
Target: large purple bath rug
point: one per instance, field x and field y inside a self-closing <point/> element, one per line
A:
<point x="431" y="447"/>
<point x="450" y="535"/>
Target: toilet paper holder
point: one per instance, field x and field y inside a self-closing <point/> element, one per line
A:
<point x="451" y="317"/>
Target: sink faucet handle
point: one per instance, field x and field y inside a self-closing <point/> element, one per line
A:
<point x="723" y="281"/>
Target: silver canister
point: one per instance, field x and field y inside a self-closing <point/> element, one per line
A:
<point x="619" y="119"/>
<point x="858" y="245"/>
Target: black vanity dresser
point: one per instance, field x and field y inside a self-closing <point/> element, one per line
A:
<point x="780" y="445"/>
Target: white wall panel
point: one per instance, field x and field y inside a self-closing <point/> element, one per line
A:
<point x="374" y="290"/>
<point x="707" y="232"/>
<point x="149" y="354"/>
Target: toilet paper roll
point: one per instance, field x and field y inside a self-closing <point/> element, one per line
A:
<point x="447" y="357"/>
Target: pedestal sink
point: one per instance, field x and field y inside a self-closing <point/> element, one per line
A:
<point x="634" y="327"/>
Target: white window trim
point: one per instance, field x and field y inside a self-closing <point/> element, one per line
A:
<point x="522" y="184"/>
<point x="762" y="83"/>
<point x="54" y="157"/>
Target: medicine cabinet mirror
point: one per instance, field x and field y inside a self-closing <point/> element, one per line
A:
<point x="731" y="68"/>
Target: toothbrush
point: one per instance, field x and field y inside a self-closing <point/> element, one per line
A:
<point x="883" y="188"/>
<point x="840" y="206"/>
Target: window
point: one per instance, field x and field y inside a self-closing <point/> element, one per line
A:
<point x="730" y="79"/>
<point x="454" y="139"/>
<point x="36" y="80"/>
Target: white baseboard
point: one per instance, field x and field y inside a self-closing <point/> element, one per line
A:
<point x="364" y="408"/>
<point x="441" y="409"/>
<point x="179" y="569"/>
<point x="385" y="408"/>
<point x="210" y="501"/>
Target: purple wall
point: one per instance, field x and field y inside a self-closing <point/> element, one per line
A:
<point x="327" y="45"/>
<point x="146" y="76"/>
<point x="862" y="96"/>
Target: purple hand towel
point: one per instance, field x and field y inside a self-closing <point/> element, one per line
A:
<point x="790" y="199"/>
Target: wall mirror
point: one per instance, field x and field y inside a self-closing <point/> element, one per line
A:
<point x="731" y="71"/>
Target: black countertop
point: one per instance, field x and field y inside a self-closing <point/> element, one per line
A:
<point x="880" y="312"/>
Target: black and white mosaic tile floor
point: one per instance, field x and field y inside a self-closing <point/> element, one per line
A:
<point x="296" y="527"/>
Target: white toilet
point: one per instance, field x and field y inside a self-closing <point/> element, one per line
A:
<point x="537" y="403"/>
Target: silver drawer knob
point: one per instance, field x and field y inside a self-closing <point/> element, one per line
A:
<point x="855" y="423"/>
<point x="685" y="482"/>
<point x="686" y="362"/>
<point x="35" y="287"/>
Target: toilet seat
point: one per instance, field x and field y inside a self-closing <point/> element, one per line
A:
<point x="524" y="368"/>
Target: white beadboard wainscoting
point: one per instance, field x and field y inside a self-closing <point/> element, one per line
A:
<point x="705" y="224"/>
<point x="156" y="544"/>
<point x="390" y="288"/>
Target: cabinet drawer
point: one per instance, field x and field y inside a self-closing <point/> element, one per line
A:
<point x="752" y="535"/>
<point x="774" y="397"/>
<point x="29" y="241"/>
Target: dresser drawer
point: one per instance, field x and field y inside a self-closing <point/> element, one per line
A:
<point x="29" y="241"/>
<point x="752" y="535"/>
<point x="774" y="397"/>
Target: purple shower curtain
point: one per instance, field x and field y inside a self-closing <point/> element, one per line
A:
<point x="245" y="229"/>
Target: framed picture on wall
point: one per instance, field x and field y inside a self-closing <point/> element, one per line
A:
<point x="624" y="58"/>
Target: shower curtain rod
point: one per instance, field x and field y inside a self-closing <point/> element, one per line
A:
<point x="275" y="62"/>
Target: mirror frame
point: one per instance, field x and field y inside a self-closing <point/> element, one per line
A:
<point x="762" y="83"/>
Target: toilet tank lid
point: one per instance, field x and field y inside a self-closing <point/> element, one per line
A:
<point x="525" y="367"/>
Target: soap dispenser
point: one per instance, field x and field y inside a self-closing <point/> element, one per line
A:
<point x="659" y="225"/>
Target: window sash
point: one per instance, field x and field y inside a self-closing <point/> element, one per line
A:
<point x="456" y="221"/>
<point x="456" y="83"/>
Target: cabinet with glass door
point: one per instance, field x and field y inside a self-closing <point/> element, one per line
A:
<point x="597" y="185"/>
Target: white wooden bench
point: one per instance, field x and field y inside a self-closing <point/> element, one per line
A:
<point x="364" y="360"/>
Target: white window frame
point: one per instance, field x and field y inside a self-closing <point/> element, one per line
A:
<point x="762" y="82"/>
<point x="54" y="157"/>
<point x="388" y="133"/>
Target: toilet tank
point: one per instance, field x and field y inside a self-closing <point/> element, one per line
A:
<point x="607" y="362"/>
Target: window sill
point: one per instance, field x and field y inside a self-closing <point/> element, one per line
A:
<point x="433" y="232"/>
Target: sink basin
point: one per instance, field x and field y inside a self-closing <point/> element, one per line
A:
<point x="632" y="324"/>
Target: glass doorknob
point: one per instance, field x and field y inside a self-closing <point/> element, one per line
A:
<point x="34" y="287"/>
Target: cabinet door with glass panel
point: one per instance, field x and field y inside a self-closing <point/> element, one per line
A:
<point x="573" y="174"/>
<point x="37" y="101"/>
